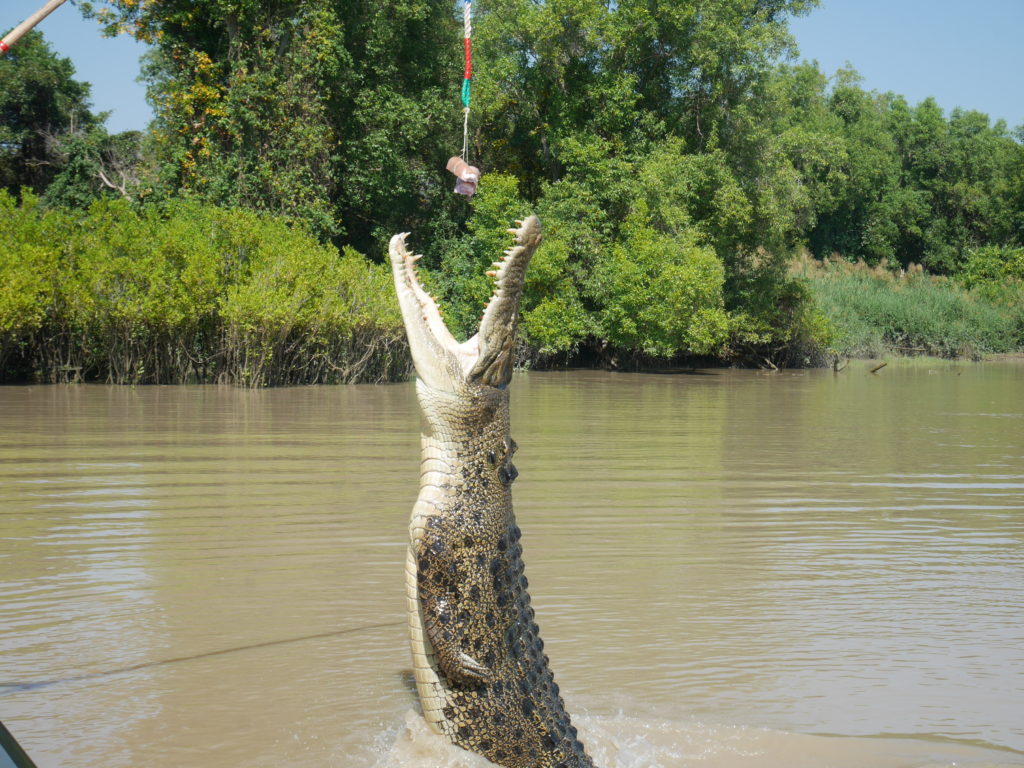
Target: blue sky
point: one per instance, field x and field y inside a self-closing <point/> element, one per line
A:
<point x="110" y="65"/>
<point x="964" y="54"/>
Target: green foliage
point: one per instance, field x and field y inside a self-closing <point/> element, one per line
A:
<point x="993" y="264"/>
<point x="555" y="321"/>
<point x="328" y="111"/>
<point x="624" y="73"/>
<point x="674" y="156"/>
<point x="775" y="320"/>
<point x="23" y="287"/>
<point x="661" y="294"/>
<point x="301" y="315"/>
<point x="461" y="278"/>
<point x="50" y="141"/>
<point x="698" y="191"/>
<point x="997" y="274"/>
<point x="79" y="158"/>
<point x="912" y="186"/>
<point x="40" y="101"/>
<point x="652" y="286"/>
<point x="192" y="293"/>
<point x="875" y="311"/>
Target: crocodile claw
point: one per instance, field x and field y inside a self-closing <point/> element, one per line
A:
<point x="470" y="670"/>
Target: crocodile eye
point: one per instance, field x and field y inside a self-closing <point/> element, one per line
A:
<point x="491" y="458"/>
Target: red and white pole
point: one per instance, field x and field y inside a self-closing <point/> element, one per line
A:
<point x="19" y="31"/>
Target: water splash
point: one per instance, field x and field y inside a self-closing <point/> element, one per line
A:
<point x="622" y="741"/>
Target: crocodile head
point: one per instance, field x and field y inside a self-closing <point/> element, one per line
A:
<point x="442" y="363"/>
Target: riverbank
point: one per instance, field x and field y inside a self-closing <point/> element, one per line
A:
<point x="188" y="293"/>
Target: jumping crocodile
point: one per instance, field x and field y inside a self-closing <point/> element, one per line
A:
<point x="481" y="672"/>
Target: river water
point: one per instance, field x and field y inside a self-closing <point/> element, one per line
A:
<point x="730" y="568"/>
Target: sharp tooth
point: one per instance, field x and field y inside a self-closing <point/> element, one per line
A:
<point x="512" y="231"/>
<point x="491" y="273"/>
<point x="417" y="257"/>
<point x="496" y="264"/>
<point x="519" y="222"/>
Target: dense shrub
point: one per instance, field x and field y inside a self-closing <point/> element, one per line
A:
<point x="639" y="288"/>
<point x="189" y="293"/>
<point x="634" y="271"/>
<point x="661" y="295"/>
<point x="993" y="265"/>
<point x="875" y="311"/>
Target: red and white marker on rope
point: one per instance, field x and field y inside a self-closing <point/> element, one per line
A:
<point x="19" y="31"/>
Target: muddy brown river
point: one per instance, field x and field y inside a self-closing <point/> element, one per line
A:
<point x="729" y="568"/>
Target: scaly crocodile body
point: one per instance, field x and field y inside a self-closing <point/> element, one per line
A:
<point x="479" y="662"/>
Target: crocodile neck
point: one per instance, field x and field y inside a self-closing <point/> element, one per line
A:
<point x="464" y="441"/>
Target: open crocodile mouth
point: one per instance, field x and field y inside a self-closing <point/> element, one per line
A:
<point x="441" y="361"/>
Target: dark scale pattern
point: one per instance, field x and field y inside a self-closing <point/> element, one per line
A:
<point x="503" y="701"/>
<point x="478" y="659"/>
<point x="501" y="698"/>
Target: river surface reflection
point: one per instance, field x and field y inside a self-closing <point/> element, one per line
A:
<point x="729" y="568"/>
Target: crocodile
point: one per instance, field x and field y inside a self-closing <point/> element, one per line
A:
<point x="481" y="672"/>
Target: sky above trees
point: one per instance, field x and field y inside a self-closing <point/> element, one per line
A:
<point x="963" y="56"/>
<point x="111" y="66"/>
